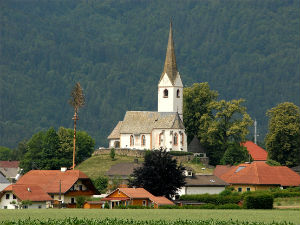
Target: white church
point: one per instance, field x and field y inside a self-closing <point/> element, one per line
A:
<point x="142" y="130"/>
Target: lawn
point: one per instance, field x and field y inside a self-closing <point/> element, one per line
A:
<point x="156" y="214"/>
<point x="293" y="202"/>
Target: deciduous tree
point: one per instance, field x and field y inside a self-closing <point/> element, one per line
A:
<point x="283" y="138"/>
<point x="160" y="174"/>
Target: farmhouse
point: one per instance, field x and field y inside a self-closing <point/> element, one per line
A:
<point x="62" y="185"/>
<point x="257" y="176"/>
<point x="135" y="196"/>
<point x="164" y="128"/>
<point x="13" y="197"/>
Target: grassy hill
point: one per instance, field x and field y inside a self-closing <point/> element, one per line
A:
<point x="97" y="165"/>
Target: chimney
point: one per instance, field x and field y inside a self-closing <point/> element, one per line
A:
<point x="63" y="169"/>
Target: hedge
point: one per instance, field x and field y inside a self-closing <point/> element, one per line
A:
<point x="258" y="201"/>
<point x="180" y="153"/>
<point x="213" y="199"/>
<point x="204" y="206"/>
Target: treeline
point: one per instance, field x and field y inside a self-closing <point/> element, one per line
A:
<point x="243" y="49"/>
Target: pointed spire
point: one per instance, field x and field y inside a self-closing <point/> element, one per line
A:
<point x="170" y="66"/>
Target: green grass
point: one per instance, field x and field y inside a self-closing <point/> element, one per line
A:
<point x="292" y="202"/>
<point x="98" y="165"/>
<point x="156" y="214"/>
<point x="197" y="167"/>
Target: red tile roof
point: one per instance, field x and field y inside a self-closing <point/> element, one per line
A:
<point x="257" y="153"/>
<point x="49" y="180"/>
<point x="30" y="192"/>
<point x="221" y="169"/>
<point x="9" y="164"/>
<point x="261" y="173"/>
<point x="161" y="200"/>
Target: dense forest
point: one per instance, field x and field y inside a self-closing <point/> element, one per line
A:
<point x="115" y="49"/>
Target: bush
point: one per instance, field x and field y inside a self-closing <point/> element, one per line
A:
<point x="112" y="154"/>
<point x="258" y="201"/>
<point x="80" y="201"/>
<point x="180" y="153"/>
<point x="101" y="184"/>
<point x="132" y="207"/>
<point x="213" y="199"/>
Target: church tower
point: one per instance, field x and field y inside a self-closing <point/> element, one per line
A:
<point x="170" y="88"/>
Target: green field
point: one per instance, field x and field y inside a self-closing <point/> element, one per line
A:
<point x="98" y="165"/>
<point x="155" y="214"/>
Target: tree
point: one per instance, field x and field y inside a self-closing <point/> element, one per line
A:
<point x="77" y="101"/>
<point x="196" y="101"/>
<point x="101" y="184"/>
<point x="112" y="153"/>
<point x="160" y="174"/>
<point x="283" y="137"/>
<point x="50" y="151"/>
<point x="235" y="153"/>
<point x="5" y="153"/>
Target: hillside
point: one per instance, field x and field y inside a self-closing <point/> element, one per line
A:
<point x="98" y="165"/>
<point x="116" y="50"/>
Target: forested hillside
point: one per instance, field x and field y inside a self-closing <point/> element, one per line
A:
<point x="116" y="49"/>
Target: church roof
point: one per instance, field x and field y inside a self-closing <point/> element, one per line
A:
<point x="195" y="146"/>
<point x="170" y="66"/>
<point x="115" y="134"/>
<point x="136" y="122"/>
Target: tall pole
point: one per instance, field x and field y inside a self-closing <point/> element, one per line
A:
<point x="75" y="118"/>
<point x="255" y="132"/>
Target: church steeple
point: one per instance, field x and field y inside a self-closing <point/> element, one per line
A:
<point x="170" y="67"/>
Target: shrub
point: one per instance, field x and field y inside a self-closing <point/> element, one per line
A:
<point x="80" y="201"/>
<point x="228" y="206"/>
<point x="101" y="183"/>
<point x="213" y="199"/>
<point x="259" y="201"/>
<point x="112" y="153"/>
<point x="180" y="153"/>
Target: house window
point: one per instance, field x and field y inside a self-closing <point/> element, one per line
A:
<point x="248" y="189"/>
<point x="80" y="187"/>
<point x="143" y="140"/>
<point x="175" y="139"/>
<point x="40" y="206"/>
<point x="14" y="197"/>
<point x="7" y="196"/>
<point x="144" y="203"/>
<point x="166" y="93"/>
<point x="161" y="139"/>
<point x="181" y="138"/>
<point x="240" y="189"/>
<point x="72" y="200"/>
<point x="131" y="140"/>
<point x="178" y="94"/>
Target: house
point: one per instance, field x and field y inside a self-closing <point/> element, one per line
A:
<point x="94" y="205"/>
<point x="135" y="196"/>
<point x="10" y="169"/>
<point x="3" y="181"/>
<point x="13" y="197"/>
<point x="259" y="176"/>
<point x="202" y="184"/>
<point x="257" y="153"/>
<point x="62" y="185"/>
<point x="162" y="129"/>
<point x="121" y="172"/>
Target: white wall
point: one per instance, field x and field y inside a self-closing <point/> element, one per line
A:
<point x="168" y="139"/>
<point x="112" y="142"/>
<point x="125" y="141"/>
<point x="200" y="190"/>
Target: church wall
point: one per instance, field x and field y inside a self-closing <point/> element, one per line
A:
<point x="167" y="136"/>
<point x="125" y="141"/>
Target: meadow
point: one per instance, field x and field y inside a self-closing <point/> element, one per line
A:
<point x="168" y="215"/>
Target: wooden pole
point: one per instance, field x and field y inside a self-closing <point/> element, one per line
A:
<point x="74" y="138"/>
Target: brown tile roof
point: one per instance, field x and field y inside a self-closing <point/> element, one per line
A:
<point x="136" y="122"/>
<point x="161" y="200"/>
<point x="115" y="134"/>
<point x="49" y="180"/>
<point x="262" y="174"/>
<point x="9" y="164"/>
<point x="122" y="169"/>
<point x="30" y="192"/>
<point x="204" y="181"/>
<point x="256" y="152"/>
<point x="221" y="169"/>
<point x="170" y="66"/>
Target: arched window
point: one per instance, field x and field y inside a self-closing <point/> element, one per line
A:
<point x="175" y="139"/>
<point x="178" y="93"/>
<point x="131" y="140"/>
<point x="166" y="93"/>
<point x="143" y="140"/>
<point x="181" y="138"/>
<point x="161" y="138"/>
